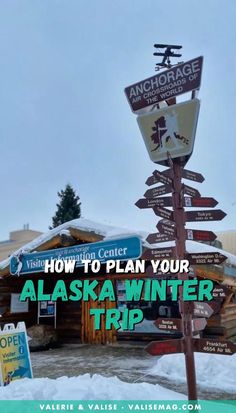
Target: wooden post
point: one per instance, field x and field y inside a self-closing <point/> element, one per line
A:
<point x="186" y="309"/>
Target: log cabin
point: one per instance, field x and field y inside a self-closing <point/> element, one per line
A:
<point x="73" y="321"/>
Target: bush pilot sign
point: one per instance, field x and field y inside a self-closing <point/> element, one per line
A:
<point x="171" y="129"/>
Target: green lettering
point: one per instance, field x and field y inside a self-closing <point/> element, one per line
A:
<point x="133" y="289"/>
<point x="205" y="290"/>
<point x="189" y="289"/>
<point x="89" y="290"/>
<point x="97" y="316"/>
<point x="112" y="318"/>
<point x="74" y="287"/>
<point x="28" y="291"/>
<point x="41" y="295"/>
<point x="59" y="291"/>
<point x="107" y="291"/>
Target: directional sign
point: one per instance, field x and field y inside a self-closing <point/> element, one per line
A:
<point x="170" y="130"/>
<point x="162" y="178"/>
<point x="120" y="249"/>
<point x="199" y="235"/>
<point x="199" y="324"/>
<point x="199" y="202"/>
<point x="173" y="82"/>
<point x="163" y="213"/>
<point x="158" y="253"/>
<point x="220" y="291"/>
<point x="205" y="345"/>
<point x="151" y="180"/>
<point x="166" y="228"/>
<point x="206" y="258"/>
<point x="201" y="309"/>
<point x="191" y="191"/>
<point x="158" y="348"/>
<point x="208" y="215"/>
<point x="159" y="190"/>
<point x="143" y="203"/>
<point x="169" y="324"/>
<point x="157" y="237"/>
<point x="192" y="176"/>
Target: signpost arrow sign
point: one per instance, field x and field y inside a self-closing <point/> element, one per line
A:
<point x="191" y="191"/>
<point x="163" y="213"/>
<point x="199" y="202"/>
<point x="208" y="215"/>
<point x="162" y="178"/>
<point x="202" y="309"/>
<point x="148" y="91"/>
<point x="206" y="258"/>
<point x="204" y="345"/>
<point x="166" y="228"/>
<point x="151" y="180"/>
<point x="157" y="237"/>
<point x="158" y="253"/>
<point x="199" y="324"/>
<point x="192" y="176"/>
<point x="169" y="324"/>
<point x="159" y="190"/>
<point x="199" y="235"/>
<point x="158" y="348"/>
<point x="143" y="203"/>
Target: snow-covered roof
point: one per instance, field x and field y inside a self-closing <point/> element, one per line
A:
<point x="111" y="232"/>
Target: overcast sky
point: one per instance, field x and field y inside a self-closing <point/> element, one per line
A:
<point x="64" y="117"/>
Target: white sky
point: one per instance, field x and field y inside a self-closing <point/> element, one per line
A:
<point x="64" y="116"/>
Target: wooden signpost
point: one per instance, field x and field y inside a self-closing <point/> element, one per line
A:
<point x="167" y="145"/>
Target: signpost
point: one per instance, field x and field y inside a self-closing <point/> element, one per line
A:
<point x="206" y="258"/>
<point x="167" y="229"/>
<point x="192" y="176"/>
<point x="159" y="348"/>
<point x="163" y="213"/>
<point x="158" y="253"/>
<point x="199" y="235"/>
<point x="169" y="324"/>
<point x="149" y="91"/>
<point x="201" y="309"/>
<point x="143" y="203"/>
<point x="158" y="237"/>
<point x="211" y="215"/>
<point x="119" y="249"/>
<point x="191" y="191"/>
<point x="175" y="324"/>
<point x="169" y="135"/>
<point x="199" y="202"/>
<point x="204" y="345"/>
<point x="159" y="190"/>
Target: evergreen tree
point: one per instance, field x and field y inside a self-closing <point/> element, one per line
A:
<point x="68" y="208"/>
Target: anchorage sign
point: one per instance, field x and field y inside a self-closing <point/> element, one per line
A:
<point x="119" y="249"/>
<point x="173" y="82"/>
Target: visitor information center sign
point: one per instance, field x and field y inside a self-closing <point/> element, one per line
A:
<point x="118" y="249"/>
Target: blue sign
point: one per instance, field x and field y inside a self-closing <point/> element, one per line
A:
<point x="117" y="249"/>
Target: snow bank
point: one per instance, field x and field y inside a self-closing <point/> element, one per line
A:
<point x="213" y="370"/>
<point x="85" y="387"/>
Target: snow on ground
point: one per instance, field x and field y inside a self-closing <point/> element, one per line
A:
<point x="85" y="387"/>
<point x="213" y="370"/>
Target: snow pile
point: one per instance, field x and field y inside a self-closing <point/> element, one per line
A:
<point x="213" y="370"/>
<point x="85" y="387"/>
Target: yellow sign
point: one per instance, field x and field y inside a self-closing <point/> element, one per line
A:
<point x="171" y="129"/>
<point x="14" y="354"/>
